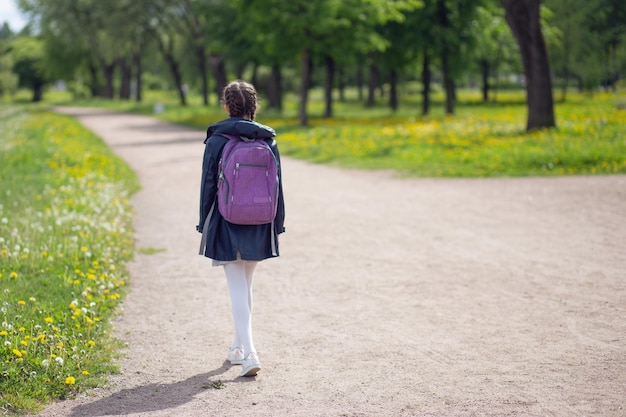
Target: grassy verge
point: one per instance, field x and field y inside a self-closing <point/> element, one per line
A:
<point x="65" y="236"/>
<point x="481" y="140"/>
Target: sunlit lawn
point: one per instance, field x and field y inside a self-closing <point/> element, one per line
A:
<point x="479" y="140"/>
<point x="65" y="236"/>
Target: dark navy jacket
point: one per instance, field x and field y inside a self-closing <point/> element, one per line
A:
<point x="224" y="239"/>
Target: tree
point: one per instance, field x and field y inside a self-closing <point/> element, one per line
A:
<point x="8" y="79"/>
<point x="29" y="58"/>
<point x="524" y="20"/>
<point x="495" y="45"/>
<point x="90" y="36"/>
<point x="608" y="19"/>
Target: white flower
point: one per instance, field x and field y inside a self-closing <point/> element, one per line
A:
<point x="45" y="363"/>
<point x="59" y="360"/>
<point x="1" y="240"/>
<point x="7" y="343"/>
<point x="5" y="220"/>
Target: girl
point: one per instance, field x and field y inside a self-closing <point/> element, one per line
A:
<point x="238" y="248"/>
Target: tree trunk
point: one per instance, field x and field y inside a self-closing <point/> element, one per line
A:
<point x="239" y="71"/>
<point x="255" y="72"/>
<point x="274" y="88"/>
<point x="107" y="71"/>
<point x="94" y="84"/>
<point x="372" y="84"/>
<point x="138" y="75"/>
<point x="341" y="84"/>
<point x="178" y="79"/>
<point x="126" y="75"/>
<point x="426" y="79"/>
<point x="484" y="71"/>
<point x="393" y="90"/>
<point x="359" y="81"/>
<point x="328" y="86"/>
<point x="305" y="67"/>
<point x="219" y="73"/>
<point x="448" y="82"/>
<point x="524" y="21"/>
<point x="37" y="89"/>
<point x="168" y="55"/>
<point x="201" y="58"/>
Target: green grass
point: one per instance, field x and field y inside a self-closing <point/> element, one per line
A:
<point x="480" y="140"/>
<point x="65" y="236"/>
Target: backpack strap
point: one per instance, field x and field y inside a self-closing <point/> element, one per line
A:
<point x="205" y="229"/>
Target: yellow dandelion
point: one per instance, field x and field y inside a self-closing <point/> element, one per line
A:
<point x="70" y="380"/>
<point x="23" y="343"/>
<point x="49" y="320"/>
<point x="84" y="249"/>
<point x="91" y="343"/>
<point x="21" y="302"/>
<point x="3" y="333"/>
<point x="17" y="353"/>
<point x="4" y="251"/>
<point x="13" y="275"/>
<point x="85" y="373"/>
<point x="72" y="306"/>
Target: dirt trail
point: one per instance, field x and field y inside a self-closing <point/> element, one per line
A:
<point x="392" y="297"/>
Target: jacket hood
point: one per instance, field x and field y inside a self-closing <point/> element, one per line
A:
<point x="238" y="126"/>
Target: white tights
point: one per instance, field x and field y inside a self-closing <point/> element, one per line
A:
<point x="239" y="278"/>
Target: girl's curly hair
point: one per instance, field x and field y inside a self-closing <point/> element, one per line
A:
<point x="241" y="99"/>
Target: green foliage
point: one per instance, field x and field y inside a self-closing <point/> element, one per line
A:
<point x="8" y="79"/>
<point x="590" y="48"/>
<point x="28" y="54"/>
<point x="65" y="236"/>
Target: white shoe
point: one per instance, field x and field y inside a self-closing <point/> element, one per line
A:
<point x="235" y="356"/>
<point x="251" y="365"/>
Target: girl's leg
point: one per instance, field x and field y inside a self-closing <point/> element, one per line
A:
<point x="250" y="267"/>
<point x="239" y="278"/>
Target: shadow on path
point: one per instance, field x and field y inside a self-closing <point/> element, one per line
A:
<point x="152" y="397"/>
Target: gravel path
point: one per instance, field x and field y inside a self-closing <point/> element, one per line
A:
<point x="392" y="297"/>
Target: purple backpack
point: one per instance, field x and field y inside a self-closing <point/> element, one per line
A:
<point x="247" y="187"/>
